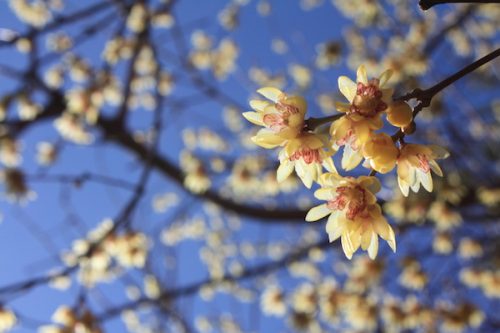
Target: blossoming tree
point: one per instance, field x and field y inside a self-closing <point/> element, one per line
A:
<point x="161" y="159"/>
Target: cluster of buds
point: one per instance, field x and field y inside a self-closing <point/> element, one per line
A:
<point x="354" y="215"/>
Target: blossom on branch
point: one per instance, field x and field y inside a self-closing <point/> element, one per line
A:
<point x="415" y="163"/>
<point x="354" y="214"/>
<point x="367" y="100"/>
<point x="306" y="155"/>
<point x="283" y="119"/>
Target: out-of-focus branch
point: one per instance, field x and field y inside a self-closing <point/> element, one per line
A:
<point x="124" y="139"/>
<point x="79" y="180"/>
<point x="61" y="21"/>
<point x="248" y="273"/>
<point x="438" y="38"/>
<point x="427" y="4"/>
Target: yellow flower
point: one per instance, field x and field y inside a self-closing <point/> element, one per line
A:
<point x="355" y="216"/>
<point x="367" y="100"/>
<point x="415" y="163"/>
<point x="399" y="114"/>
<point x="381" y="153"/>
<point x="352" y="135"/>
<point x="283" y="117"/>
<point x="306" y="155"/>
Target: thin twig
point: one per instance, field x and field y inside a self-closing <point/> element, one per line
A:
<point x="427" y="4"/>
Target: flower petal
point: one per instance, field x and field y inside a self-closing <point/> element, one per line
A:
<point x="373" y="248"/>
<point x="351" y="158"/>
<point x="425" y="179"/>
<point x="284" y="170"/>
<point x="439" y="152"/>
<point x="361" y="75"/>
<point x="347" y="88"/>
<point x="253" y="117"/>
<point x="435" y="167"/>
<point x="384" y="77"/>
<point x="259" y="105"/>
<point x="317" y="213"/>
<point x="274" y="94"/>
<point x="347" y="245"/>
<point x="267" y="140"/>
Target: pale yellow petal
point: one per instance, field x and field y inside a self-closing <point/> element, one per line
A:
<point x="267" y="140"/>
<point x="271" y="93"/>
<point x="347" y="245"/>
<point x="403" y="186"/>
<point x="303" y="174"/>
<point x="259" y="105"/>
<point x="439" y="152"/>
<point x="347" y="88"/>
<point x="350" y="158"/>
<point x="435" y="167"/>
<point x="325" y="194"/>
<point x="415" y="187"/>
<point x="373" y="248"/>
<point x="329" y="166"/>
<point x="253" y="117"/>
<point x="317" y="213"/>
<point x="384" y="77"/>
<point x="361" y="75"/>
<point x="284" y="170"/>
<point x="381" y="227"/>
<point x="425" y="179"/>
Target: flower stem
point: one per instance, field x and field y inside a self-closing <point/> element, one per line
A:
<point x="312" y="123"/>
<point x="425" y="96"/>
<point x="426" y="4"/>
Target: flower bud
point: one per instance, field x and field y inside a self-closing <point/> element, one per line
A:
<point x="399" y="114"/>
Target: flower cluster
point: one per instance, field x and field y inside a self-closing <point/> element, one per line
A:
<point x="283" y="121"/>
<point x="103" y="255"/>
<point x="68" y="320"/>
<point x="354" y="215"/>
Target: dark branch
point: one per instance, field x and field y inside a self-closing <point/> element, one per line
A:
<point x="427" y="4"/>
<point x="425" y="96"/>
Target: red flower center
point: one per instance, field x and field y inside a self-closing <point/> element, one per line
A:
<point x="351" y="198"/>
<point x="423" y="163"/>
<point x="307" y="155"/>
<point x="368" y="100"/>
<point x="279" y="121"/>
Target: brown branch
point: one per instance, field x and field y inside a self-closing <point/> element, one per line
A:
<point x="436" y="40"/>
<point x="79" y="180"/>
<point x="312" y="123"/>
<point x="427" y="4"/>
<point x="248" y="273"/>
<point x="61" y="21"/>
<point x="114" y="133"/>
<point x="425" y="96"/>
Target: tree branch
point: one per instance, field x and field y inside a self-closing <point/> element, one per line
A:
<point x="425" y="96"/>
<point x="427" y="4"/>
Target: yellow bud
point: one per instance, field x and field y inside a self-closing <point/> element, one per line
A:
<point x="399" y="114"/>
<point x="381" y="152"/>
